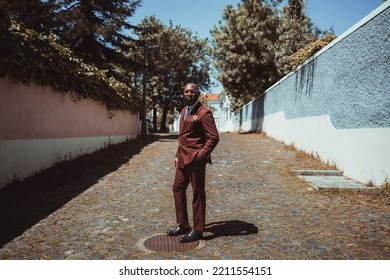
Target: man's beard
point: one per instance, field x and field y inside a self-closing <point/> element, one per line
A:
<point x="190" y="101"/>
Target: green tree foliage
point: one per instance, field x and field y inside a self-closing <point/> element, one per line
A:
<point x="32" y="14"/>
<point x="309" y="50"/>
<point x="93" y="30"/>
<point x="31" y="57"/>
<point x="244" y="49"/>
<point x="178" y="58"/>
<point x="255" y="43"/>
<point x="295" y="31"/>
<point x="70" y="32"/>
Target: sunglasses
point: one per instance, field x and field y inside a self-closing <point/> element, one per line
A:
<point x="190" y="91"/>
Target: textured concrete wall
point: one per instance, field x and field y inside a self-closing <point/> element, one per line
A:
<point x="39" y="127"/>
<point x="337" y="105"/>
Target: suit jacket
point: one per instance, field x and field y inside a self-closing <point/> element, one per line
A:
<point x="198" y="136"/>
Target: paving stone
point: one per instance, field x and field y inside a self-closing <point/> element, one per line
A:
<point x="102" y="205"/>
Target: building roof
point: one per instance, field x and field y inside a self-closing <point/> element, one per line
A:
<point x="211" y="96"/>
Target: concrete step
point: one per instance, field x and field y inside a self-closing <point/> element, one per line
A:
<point x="334" y="182"/>
<point x="318" y="172"/>
<point x="329" y="179"/>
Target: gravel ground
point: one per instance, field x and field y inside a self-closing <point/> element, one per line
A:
<point x="103" y="205"/>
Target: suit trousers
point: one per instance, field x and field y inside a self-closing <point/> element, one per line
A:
<point x="194" y="173"/>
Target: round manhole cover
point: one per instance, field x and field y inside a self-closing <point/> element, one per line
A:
<point x="165" y="243"/>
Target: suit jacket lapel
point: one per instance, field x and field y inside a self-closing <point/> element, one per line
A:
<point x="181" y="119"/>
<point x="188" y="120"/>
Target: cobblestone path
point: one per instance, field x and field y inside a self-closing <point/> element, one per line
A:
<point x="102" y="206"/>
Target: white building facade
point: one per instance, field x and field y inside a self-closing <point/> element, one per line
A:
<point x="220" y="105"/>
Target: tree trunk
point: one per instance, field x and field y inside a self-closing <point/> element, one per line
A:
<point x="154" y="118"/>
<point x="163" y="124"/>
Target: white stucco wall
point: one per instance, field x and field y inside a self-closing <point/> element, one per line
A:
<point x="337" y="105"/>
<point x="362" y="154"/>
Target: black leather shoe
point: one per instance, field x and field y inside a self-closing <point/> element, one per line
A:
<point x="191" y="237"/>
<point x="179" y="230"/>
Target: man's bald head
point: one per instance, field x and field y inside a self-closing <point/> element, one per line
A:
<point x="191" y="86"/>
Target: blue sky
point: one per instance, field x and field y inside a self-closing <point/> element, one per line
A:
<point x="201" y="15"/>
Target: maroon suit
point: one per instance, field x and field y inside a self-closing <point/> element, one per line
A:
<point x="198" y="137"/>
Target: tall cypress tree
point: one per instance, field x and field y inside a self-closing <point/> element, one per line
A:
<point x="244" y="49"/>
<point x="295" y="31"/>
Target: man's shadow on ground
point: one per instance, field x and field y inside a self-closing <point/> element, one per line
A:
<point x="229" y="228"/>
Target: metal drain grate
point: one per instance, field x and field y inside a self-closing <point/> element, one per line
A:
<point x="167" y="243"/>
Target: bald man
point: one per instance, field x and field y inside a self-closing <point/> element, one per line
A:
<point x="198" y="137"/>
